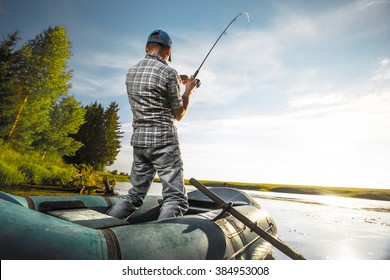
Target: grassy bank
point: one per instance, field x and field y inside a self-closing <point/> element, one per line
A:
<point x="31" y="174"/>
<point x="53" y="190"/>
<point x="30" y="168"/>
<point x="365" y="193"/>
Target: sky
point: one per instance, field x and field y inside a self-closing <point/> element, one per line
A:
<point x="299" y="95"/>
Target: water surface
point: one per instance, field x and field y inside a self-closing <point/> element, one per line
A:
<point x="323" y="227"/>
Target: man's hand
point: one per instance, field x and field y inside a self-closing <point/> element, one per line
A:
<point x="190" y="85"/>
<point x="180" y="112"/>
<point x="184" y="79"/>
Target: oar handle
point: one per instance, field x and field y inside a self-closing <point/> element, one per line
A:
<point x="278" y="244"/>
<point x="219" y="201"/>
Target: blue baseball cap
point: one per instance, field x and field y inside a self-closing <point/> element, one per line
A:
<point x="160" y="37"/>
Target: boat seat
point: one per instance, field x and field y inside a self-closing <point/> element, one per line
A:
<point x="198" y="200"/>
<point x="88" y="217"/>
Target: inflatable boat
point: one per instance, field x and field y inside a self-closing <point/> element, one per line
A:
<point x="76" y="227"/>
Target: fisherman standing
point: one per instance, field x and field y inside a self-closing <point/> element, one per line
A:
<point x="156" y="102"/>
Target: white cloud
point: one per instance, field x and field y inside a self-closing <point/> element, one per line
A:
<point x="128" y="54"/>
<point x="342" y="145"/>
<point x="366" y="4"/>
<point x="236" y="66"/>
<point x="329" y="138"/>
<point x="382" y="75"/>
<point x="317" y="100"/>
<point x="97" y="87"/>
<point x="127" y="127"/>
<point x="260" y="58"/>
<point x="102" y="73"/>
<point x="384" y="61"/>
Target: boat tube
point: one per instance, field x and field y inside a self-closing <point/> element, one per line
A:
<point x="76" y="227"/>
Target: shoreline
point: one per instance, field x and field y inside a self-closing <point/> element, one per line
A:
<point x="362" y="193"/>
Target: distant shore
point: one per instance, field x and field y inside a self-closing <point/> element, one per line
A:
<point x="363" y="193"/>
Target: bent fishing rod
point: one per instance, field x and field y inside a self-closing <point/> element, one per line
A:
<point x="220" y="36"/>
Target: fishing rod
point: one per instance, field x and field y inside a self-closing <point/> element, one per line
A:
<point x="223" y="33"/>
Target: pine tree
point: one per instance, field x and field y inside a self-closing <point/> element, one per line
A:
<point x="99" y="135"/>
<point x="9" y="90"/>
<point x="113" y="133"/>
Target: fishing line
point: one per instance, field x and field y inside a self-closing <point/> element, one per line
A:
<point x="220" y="36"/>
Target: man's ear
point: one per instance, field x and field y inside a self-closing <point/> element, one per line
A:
<point x="169" y="54"/>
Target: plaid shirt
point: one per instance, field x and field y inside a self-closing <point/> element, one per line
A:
<point x="153" y="89"/>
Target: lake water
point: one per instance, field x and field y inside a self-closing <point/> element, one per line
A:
<point x="323" y="227"/>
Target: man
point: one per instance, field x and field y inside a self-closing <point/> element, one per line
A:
<point x="154" y="94"/>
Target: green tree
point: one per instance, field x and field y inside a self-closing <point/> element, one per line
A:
<point x="10" y="92"/>
<point x="99" y="135"/>
<point x="91" y="135"/>
<point x="113" y="134"/>
<point x="65" y="120"/>
<point x="42" y="78"/>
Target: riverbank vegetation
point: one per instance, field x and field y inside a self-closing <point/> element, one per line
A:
<point x="27" y="171"/>
<point x="47" y="136"/>
<point x="28" y="168"/>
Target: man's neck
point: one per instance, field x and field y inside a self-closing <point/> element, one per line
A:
<point x="163" y="56"/>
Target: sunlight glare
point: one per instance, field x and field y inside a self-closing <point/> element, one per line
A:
<point x="336" y="201"/>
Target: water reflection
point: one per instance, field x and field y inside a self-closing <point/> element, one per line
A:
<point x="324" y="227"/>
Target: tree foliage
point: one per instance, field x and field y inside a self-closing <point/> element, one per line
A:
<point x="10" y="93"/>
<point x="56" y="138"/>
<point x="34" y="101"/>
<point x="45" y="81"/>
<point x="113" y="132"/>
<point x="100" y="136"/>
<point x="36" y="112"/>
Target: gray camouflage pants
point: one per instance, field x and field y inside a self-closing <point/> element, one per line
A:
<point x="167" y="162"/>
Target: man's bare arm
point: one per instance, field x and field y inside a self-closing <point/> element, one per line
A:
<point x="180" y="112"/>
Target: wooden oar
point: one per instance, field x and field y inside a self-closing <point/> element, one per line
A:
<point x="277" y="243"/>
